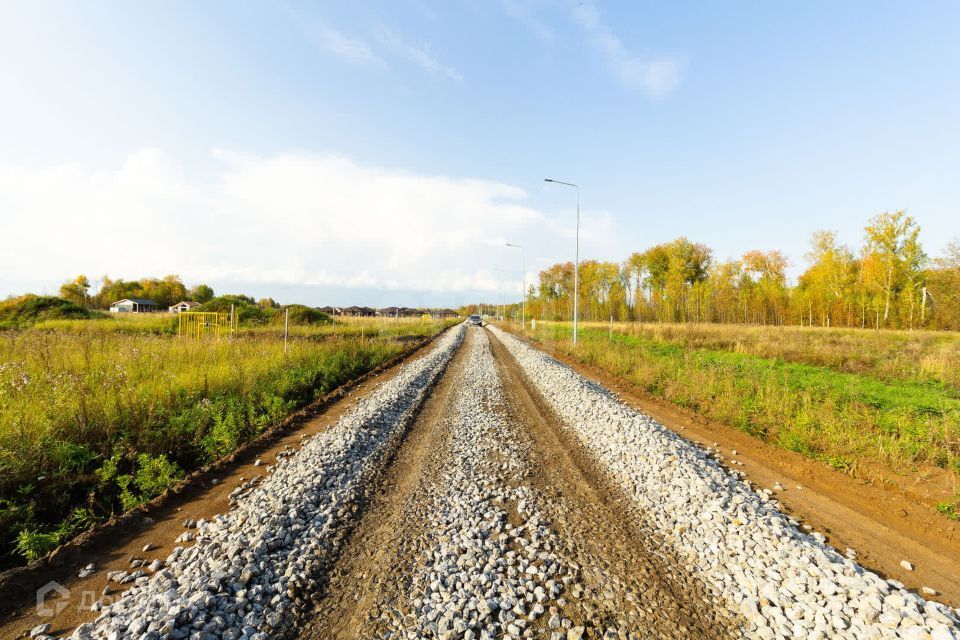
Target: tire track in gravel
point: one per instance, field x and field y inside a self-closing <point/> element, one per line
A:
<point x="377" y="552"/>
<point x="628" y="562"/>
<point x="487" y="525"/>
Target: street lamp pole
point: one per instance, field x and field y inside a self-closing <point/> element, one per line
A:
<point x="503" y="311"/>
<point x="523" y="288"/>
<point x="576" y="268"/>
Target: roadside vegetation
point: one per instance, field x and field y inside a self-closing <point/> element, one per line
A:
<point x="98" y="415"/>
<point x="846" y="399"/>
<point x="892" y="356"/>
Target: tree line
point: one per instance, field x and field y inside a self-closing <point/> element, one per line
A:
<point x="888" y="283"/>
<point x="165" y="291"/>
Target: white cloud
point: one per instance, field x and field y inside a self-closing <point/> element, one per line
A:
<point x="283" y="219"/>
<point x="419" y="55"/>
<point x="657" y="77"/>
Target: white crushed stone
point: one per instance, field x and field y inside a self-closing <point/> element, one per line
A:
<point x="783" y="582"/>
<point x="484" y="577"/>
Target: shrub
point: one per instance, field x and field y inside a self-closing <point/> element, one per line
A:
<point x="30" y="309"/>
<point x="32" y="544"/>
<point x="155" y="474"/>
<point x="247" y="310"/>
<point x="301" y="314"/>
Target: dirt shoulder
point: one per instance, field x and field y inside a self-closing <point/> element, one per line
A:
<point x="161" y="525"/>
<point x="884" y="523"/>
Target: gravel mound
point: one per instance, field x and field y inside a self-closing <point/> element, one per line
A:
<point x="253" y="569"/>
<point x="782" y="582"/>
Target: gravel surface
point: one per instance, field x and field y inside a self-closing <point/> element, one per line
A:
<point x="488" y="564"/>
<point x="783" y="582"/>
<point x="250" y="569"/>
<point x="497" y="541"/>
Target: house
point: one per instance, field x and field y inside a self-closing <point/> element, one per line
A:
<point x="133" y="305"/>
<point x="358" y="312"/>
<point x="444" y="313"/>
<point x="332" y="311"/>
<point x="184" y="305"/>
<point x="401" y="312"/>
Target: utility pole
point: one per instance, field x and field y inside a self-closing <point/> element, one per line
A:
<point x="286" y="328"/>
<point x="503" y="310"/>
<point x="576" y="268"/>
<point x="523" y="287"/>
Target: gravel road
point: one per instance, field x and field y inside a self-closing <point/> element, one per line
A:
<point x="488" y="491"/>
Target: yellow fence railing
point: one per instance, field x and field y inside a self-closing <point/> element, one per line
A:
<point x="203" y="324"/>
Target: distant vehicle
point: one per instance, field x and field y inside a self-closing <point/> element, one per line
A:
<point x="476" y="320"/>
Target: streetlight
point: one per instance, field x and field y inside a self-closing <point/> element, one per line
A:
<point x="503" y="311"/>
<point x="523" y="288"/>
<point x="576" y="268"/>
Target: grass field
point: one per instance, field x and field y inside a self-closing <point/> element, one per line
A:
<point x="844" y="397"/>
<point x="166" y="324"/>
<point x="97" y="416"/>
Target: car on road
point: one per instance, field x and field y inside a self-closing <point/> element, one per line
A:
<point x="476" y="320"/>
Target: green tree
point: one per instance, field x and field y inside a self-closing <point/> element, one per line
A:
<point x="201" y="293"/>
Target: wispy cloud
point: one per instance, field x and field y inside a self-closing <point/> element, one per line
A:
<point x="420" y="55"/>
<point x="346" y="47"/>
<point x="656" y="77"/>
<point x="523" y="11"/>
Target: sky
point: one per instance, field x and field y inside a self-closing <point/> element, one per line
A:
<point x="383" y="153"/>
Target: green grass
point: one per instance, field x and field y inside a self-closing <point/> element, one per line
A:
<point x="101" y="416"/>
<point x="837" y="417"/>
<point x="920" y="356"/>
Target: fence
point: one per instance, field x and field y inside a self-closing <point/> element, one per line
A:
<point x="203" y="324"/>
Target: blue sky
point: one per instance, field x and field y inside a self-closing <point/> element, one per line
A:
<point x="382" y="153"/>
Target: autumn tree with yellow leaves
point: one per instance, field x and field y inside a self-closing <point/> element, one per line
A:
<point x="891" y="283"/>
